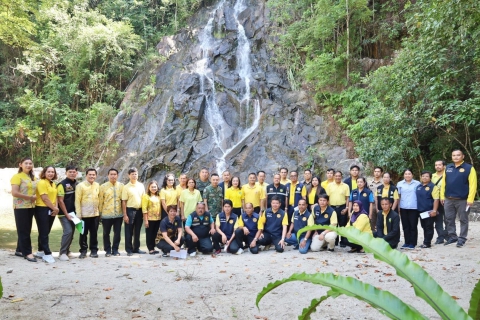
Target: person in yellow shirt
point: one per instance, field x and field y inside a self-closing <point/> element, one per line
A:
<point x="339" y="194"/>
<point x="46" y="209"/>
<point x="132" y="194"/>
<point x="439" y="220"/>
<point x="189" y="199"/>
<point x="315" y="191"/>
<point x="151" y="215"/>
<point x="330" y="173"/>
<point x="87" y="208"/>
<point x="24" y="187"/>
<point x="254" y="193"/>
<point x="168" y="195"/>
<point x="261" y="180"/>
<point x="110" y="207"/>
<point x="361" y="221"/>
<point x="182" y="184"/>
<point x="235" y="194"/>
<point x="283" y="176"/>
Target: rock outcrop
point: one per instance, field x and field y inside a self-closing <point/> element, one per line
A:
<point x="177" y="129"/>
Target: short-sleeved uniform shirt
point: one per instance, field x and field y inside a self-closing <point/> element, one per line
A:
<point x="254" y="194"/>
<point x="235" y="195"/>
<point x="188" y="223"/>
<point x="171" y="228"/>
<point x="338" y="193"/>
<point x="170" y="195"/>
<point x="214" y="198"/>
<point x="133" y="193"/>
<point x="49" y="188"/>
<point x="151" y="206"/>
<point x="189" y="200"/>
<point x="27" y="186"/>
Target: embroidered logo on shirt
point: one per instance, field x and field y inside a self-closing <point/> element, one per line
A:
<point x="278" y="215"/>
<point x="304" y="219"/>
<point x="254" y="220"/>
<point x="325" y="215"/>
<point x="461" y="170"/>
<point x="427" y="188"/>
<point x="230" y="221"/>
<point x="364" y="194"/>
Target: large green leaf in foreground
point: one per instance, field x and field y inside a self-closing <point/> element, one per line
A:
<point x="383" y="301"/>
<point x="424" y="285"/>
<point x="474" y="310"/>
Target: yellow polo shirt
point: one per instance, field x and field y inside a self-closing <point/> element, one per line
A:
<point x="325" y="184"/>
<point x="44" y="186"/>
<point x="236" y="196"/>
<point x="338" y="193"/>
<point x="170" y="196"/>
<point x="133" y="193"/>
<point x="253" y="194"/>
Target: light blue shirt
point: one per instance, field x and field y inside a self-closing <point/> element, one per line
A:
<point x="408" y="194"/>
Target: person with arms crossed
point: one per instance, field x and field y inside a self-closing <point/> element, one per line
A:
<point x="273" y="227"/>
<point x="198" y="228"/>
<point x="24" y="185"/>
<point x="247" y="230"/>
<point x="323" y="215"/>
<point x="87" y="209"/>
<point x="457" y="193"/>
<point x="132" y="194"/>
<point x="110" y="207"/>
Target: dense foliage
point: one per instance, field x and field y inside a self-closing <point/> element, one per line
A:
<point x="64" y="66"/>
<point x="421" y="102"/>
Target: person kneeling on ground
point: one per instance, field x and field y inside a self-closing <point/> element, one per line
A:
<point x="226" y="223"/>
<point x="323" y="215"/>
<point x="199" y="226"/>
<point x="273" y="224"/>
<point x="172" y="232"/>
<point x="300" y="219"/>
<point x="388" y="224"/>
<point x="361" y="221"/>
<point x="248" y="229"/>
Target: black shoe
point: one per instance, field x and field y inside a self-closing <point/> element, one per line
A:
<point x="164" y="255"/>
<point x="343" y="245"/>
<point x="116" y="254"/>
<point x="31" y="259"/>
<point x="108" y="255"/>
<point x="18" y="254"/>
<point x="139" y="252"/>
<point x="439" y="241"/>
<point x="129" y="254"/>
<point x="450" y="241"/>
<point x="330" y="250"/>
<point x="93" y="254"/>
<point x="423" y="246"/>
<point x="295" y="248"/>
<point x="82" y="255"/>
<point x="460" y="243"/>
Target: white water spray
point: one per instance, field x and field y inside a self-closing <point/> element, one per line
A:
<point x="207" y="86"/>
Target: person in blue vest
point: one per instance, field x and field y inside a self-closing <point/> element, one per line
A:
<point x="364" y="195"/>
<point x="352" y="180"/>
<point x="300" y="219"/>
<point x="198" y="227"/>
<point x="247" y="230"/>
<point x="388" y="224"/>
<point x="226" y="223"/>
<point x="386" y="190"/>
<point x="171" y="232"/>
<point x="295" y="191"/>
<point x="273" y="226"/>
<point x="427" y="201"/>
<point x="323" y="215"/>
<point x="457" y="193"/>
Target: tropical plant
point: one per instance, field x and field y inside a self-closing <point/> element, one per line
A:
<point x="424" y="285"/>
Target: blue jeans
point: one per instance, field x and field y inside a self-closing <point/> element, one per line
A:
<point x="293" y="241"/>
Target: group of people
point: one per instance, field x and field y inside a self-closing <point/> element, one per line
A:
<point x="207" y="215"/>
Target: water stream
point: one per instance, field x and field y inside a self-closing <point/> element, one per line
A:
<point x="222" y="137"/>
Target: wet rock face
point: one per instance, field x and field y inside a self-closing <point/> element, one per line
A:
<point x="173" y="130"/>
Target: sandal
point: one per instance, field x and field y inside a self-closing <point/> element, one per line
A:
<point x="353" y="250"/>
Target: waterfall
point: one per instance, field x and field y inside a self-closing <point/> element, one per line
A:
<point x="213" y="114"/>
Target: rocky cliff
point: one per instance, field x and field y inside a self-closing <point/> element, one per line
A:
<point x="218" y="101"/>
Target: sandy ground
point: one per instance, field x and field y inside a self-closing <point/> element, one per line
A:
<point x="222" y="287"/>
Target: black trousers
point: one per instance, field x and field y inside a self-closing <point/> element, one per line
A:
<point x="240" y="238"/>
<point x="353" y="245"/>
<point x="151" y="233"/>
<point x="256" y="209"/>
<point x="342" y="222"/>
<point x="166" y="247"/>
<point x="91" y="226"/>
<point x="237" y="211"/>
<point x="204" y="245"/>
<point x="217" y="239"/>
<point x="409" y="218"/>
<point x="23" y="222"/>
<point x="116" y="223"/>
<point x="44" y="225"/>
<point x="270" y="239"/>
<point x="428" y="230"/>
<point x="132" y="229"/>
<point x="439" y="221"/>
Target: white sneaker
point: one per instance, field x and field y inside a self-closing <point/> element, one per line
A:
<point x="39" y="254"/>
<point x="48" y="258"/>
<point x="63" y="257"/>
<point x="240" y="251"/>
<point x="193" y="254"/>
